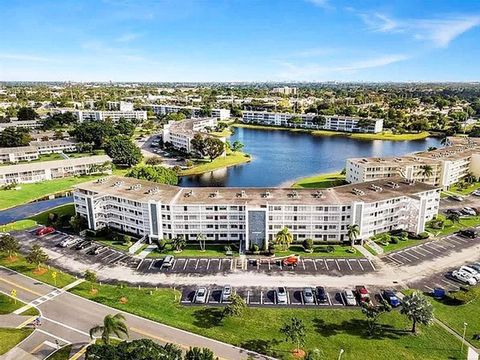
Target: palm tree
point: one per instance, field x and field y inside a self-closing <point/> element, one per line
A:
<point x="453" y="217"/>
<point x="178" y="243"/>
<point x="445" y="141"/>
<point x="37" y="256"/>
<point x="470" y="178"/>
<point x="284" y="238"/>
<point x="426" y="171"/>
<point x="417" y="309"/>
<point x="112" y="325"/>
<point x="201" y="240"/>
<point x="352" y="232"/>
<point x="10" y="245"/>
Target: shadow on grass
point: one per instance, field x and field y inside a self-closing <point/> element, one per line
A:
<point x="263" y="346"/>
<point x="208" y="317"/>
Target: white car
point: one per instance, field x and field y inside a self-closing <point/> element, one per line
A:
<point x="464" y="277"/>
<point x="201" y="296"/>
<point x="469" y="211"/>
<point x="471" y="271"/>
<point x="349" y="297"/>
<point x="70" y="241"/>
<point x="281" y="295"/>
<point x="476" y="192"/>
<point x="226" y="292"/>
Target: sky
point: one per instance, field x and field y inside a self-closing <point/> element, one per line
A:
<point x="239" y="40"/>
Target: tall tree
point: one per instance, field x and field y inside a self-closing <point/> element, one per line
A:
<point x="37" y="256"/>
<point x="112" y="325"/>
<point x="426" y="171"/>
<point x="201" y="238"/>
<point x="12" y="137"/>
<point x="417" y="309"/>
<point x="123" y="151"/>
<point x="91" y="277"/>
<point x="353" y="231"/>
<point x="237" y="146"/>
<point x="10" y="245"/>
<point x="26" y="113"/>
<point x="284" y="238"/>
<point x="179" y="243"/>
<point x="196" y="353"/>
<point x="154" y="173"/>
<point x="235" y="307"/>
<point x="214" y="147"/>
<point x="295" y="331"/>
<point x="141" y="349"/>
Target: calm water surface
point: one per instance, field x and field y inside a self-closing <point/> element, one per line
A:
<point x="280" y="157"/>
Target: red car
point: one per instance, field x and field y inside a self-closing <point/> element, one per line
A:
<point x="290" y="261"/>
<point x="362" y="293"/>
<point x="45" y="230"/>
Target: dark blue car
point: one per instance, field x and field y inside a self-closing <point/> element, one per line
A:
<point x="391" y="298"/>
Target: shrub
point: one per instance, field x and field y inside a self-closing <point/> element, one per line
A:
<point x="154" y="160"/>
<point x="463" y="296"/>
<point x="161" y="243"/>
<point x="255" y="248"/>
<point x="188" y="163"/>
<point x="351" y="250"/>
<point x="308" y="244"/>
<point x="394" y="240"/>
<point x="330" y="249"/>
<point x="424" y="235"/>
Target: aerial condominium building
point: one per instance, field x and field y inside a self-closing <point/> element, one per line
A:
<point x="49" y="170"/>
<point x="219" y="114"/>
<point x="254" y="215"/>
<point x="97" y="115"/>
<point x="180" y="133"/>
<point x="441" y="167"/>
<point x="34" y="150"/>
<point x="26" y="124"/>
<point x="313" y="121"/>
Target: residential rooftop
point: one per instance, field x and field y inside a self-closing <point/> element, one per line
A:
<point x="144" y="191"/>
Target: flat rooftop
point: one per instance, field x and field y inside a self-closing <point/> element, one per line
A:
<point x="143" y="191"/>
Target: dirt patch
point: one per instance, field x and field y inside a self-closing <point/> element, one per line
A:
<point x="40" y="271"/>
<point x="298" y="353"/>
<point x="11" y="259"/>
<point x="94" y="291"/>
<point x="123" y="300"/>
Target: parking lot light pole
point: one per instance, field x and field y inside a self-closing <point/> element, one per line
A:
<point x="341" y="353"/>
<point x="463" y="336"/>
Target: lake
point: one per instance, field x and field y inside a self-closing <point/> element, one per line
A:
<point x="280" y="157"/>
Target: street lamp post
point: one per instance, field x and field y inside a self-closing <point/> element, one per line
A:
<point x="341" y="353"/>
<point x="463" y="336"/>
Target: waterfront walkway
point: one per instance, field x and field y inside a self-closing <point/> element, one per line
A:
<point x="27" y="210"/>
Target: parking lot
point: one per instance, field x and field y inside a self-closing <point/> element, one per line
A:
<point x="261" y="296"/>
<point x="187" y="266"/>
<point x="429" y="250"/>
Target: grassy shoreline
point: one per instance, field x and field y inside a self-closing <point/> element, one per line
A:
<point x="386" y="135"/>
<point x="232" y="159"/>
<point x="320" y="181"/>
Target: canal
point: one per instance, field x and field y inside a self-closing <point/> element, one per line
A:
<point x="280" y="157"/>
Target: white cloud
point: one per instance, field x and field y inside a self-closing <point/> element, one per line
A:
<point x="127" y="37"/>
<point x="440" y="31"/>
<point x="24" y="57"/>
<point x="310" y="71"/>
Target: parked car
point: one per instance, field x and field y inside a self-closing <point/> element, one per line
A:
<point x="470" y="233"/>
<point x="391" y="298"/>
<point x="475" y="266"/>
<point x="362" y="294"/>
<point x="45" y="230"/>
<point x="96" y="250"/>
<point x="83" y="245"/>
<point x="201" y="295"/>
<point x="226" y="292"/>
<point x="454" y="211"/>
<point x="321" y="294"/>
<point x="168" y="261"/>
<point x="307" y="294"/>
<point x="476" y="192"/>
<point x="290" y="261"/>
<point x="469" y="211"/>
<point x="349" y="297"/>
<point x="464" y="277"/>
<point x="456" y="197"/>
<point x="282" y="295"/>
<point x="471" y="271"/>
<point x="69" y="241"/>
<point x="439" y="293"/>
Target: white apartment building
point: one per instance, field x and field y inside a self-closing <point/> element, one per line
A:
<point x="255" y="215"/>
<point x="447" y="165"/>
<point x="181" y="133"/>
<point x="98" y="115"/>
<point x="308" y="121"/>
<point x="219" y="114"/>
<point x="49" y="170"/>
<point x="34" y="150"/>
<point x="120" y="106"/>
<point x="285" y="90"/>
<point x="27" y="124"/>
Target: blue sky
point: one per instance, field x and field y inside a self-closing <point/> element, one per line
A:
<point x="240" y="40"/>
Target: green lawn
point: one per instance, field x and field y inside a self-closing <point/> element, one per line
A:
<point x="22" y="266"/>
<point x="9" y="338"/>
<point x="321" y="181"/>
<point x="455" y="315"/>
<point x="84" y="154"/>
<point x="449" y="228"/>
<point x="115" y="244"/>
<point x="400" y="245"/>
<point x="18" y="225"/>
<point x="465" y="191"/>
<point x="193" y="250"/>
<point x="319" y="251"/>
<point x="46" y="157"/>
<point x="8" y="305"/>
<point x="225" y="133"/>
<point x="61" y="354"/>
<point x="42" y="218"/>
<point x="233" y="158"/>
<point x="258" y="328"/>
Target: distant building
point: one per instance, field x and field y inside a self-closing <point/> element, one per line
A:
<point x="49" y="170"/>
<point x="27" y="124"/>
<point x="285" y="90"/>
<point x="219" y="114"/>
<point x="98" y="115"/>
<point x="120" y="106"/>
<point x="309" y="121"/>
<point x="253" y="216"/>
<point x="180" y="133"/>
<point x="34" y="150"/>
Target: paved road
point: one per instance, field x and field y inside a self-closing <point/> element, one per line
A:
<point x="27" y="210"/>
<point x="67" y="318"/>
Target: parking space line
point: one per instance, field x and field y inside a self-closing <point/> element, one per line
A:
<point x="328" y="298"/>
<point x="151" y="264"/>
<point x="338" y="266"/>
<point x="349" y="266"/>
<point x="450" y="283"/>
<point x="261" y="297"/>
<point x="440" y="246"/>
<point x="418" y="253"/>
<point x="361" y="266"/>
<point x="402" y="257"/>
<point x="186" y="262"/>
<point x="174" y="263"/>
<point x="248" y="297"/>
<point x="303" y="264"/>
<point x="423" y="249"/>
<point x="196" y="265"/>
<point x="220" y="264"/>
<point x="208" y="263"/>
<point x="314" y="265"/>
<point x="418" y="250"/>
<point x="373" y="266"/>
<point x="431" y="247"/>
